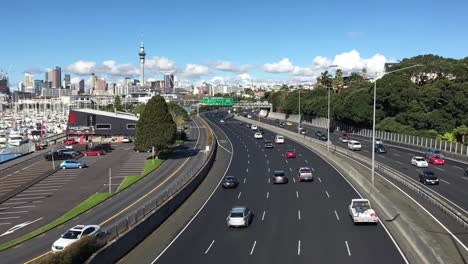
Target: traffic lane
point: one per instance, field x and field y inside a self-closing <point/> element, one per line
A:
<point x="281" y="160"/>
<point x="39" y="245"/>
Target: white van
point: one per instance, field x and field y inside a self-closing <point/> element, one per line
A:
<point x="354" y="145"/>
<point x="279" y="139"/>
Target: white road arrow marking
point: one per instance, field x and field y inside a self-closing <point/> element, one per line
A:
<point x="17" y="227"/>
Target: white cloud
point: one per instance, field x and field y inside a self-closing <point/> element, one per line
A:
<point x="33" y="70"/>
<point x="195" y="70"/>
<point x="112" y="68"/>
<point x="353" y="62"/>
<point x="282" y="66"/>
<point x="160" y="64"/>
<point x="82" y="67"/>
<point x="228" y="66"/>
<point x="75" y="80"/>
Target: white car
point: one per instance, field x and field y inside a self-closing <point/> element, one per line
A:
<point x="258" y="135"/>
<point x="279" y="139"/>
<point x="305" y="174"/>
<point x="73" y="235"/>
<point x="361" y="212"/>
<point x="126" y="140"/>
<point x="249" y="116"/>
<point x="419" y="162"/>
<point x="354" y="145"/>
<point x="254" y="127"/>
<point x="239" y="216"/>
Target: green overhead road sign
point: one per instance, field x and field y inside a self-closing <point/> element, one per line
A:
<point x="218" y="101"/>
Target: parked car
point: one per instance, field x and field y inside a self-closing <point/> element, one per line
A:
<point x="268" y="144"/>
<point x="277" y="121"/>
<point x="305" y="174"/>
<point x="290" y="154"/>
<point x="239" y="216"/>
<point x="126" y="140"/>
<point x="39" y="147"/>
<point x="73" y="235"/>
<point x="103" y="146"/>
<point x="73" y="164"/>
<point x="419" y="162"/>
<point x="70" y="141"/>
<point x="230" y="182"/>
<point x="281" y="125"/>
<point x="56" y="155"/>
<point x="72" y="152"/>
<point x="94" y="152"/>
<point x="379" y="148"/>
<point x="428" y="177"/>
<point x="279" y="177"/>
<point x="435" y="159"/>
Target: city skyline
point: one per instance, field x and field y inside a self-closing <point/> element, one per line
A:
<point x="249" y="43"/>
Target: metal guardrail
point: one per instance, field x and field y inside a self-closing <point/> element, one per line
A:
<point x="445" y="205"/>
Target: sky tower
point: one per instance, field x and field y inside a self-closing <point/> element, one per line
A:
<point x="142" y="63"/>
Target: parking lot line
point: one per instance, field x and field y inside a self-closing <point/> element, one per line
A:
<point x="17" y="212"/>
<point x="26" y="198"/>
<point x="30" y="194"/>
<point x="12" y="217"/>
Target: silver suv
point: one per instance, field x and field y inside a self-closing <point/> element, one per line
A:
<point x="239" y="216"/>
<point x="305" y="174"/>
<point x="279" y="177"/>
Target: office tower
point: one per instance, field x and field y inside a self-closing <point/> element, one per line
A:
<point x="100" y="88"/>
<point x="38" y="86"/>
<point x="169" y="83"/>
<point x="28" y="83"/>
<point x="81" y="85"/>
<point x="142" y="55"/>
<point x="66" y="81"/>
<point x="54" y="77"/>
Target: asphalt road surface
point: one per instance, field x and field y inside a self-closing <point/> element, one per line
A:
<point x="293" y="223"/>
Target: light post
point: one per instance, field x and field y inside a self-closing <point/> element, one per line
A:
<point x="329" y="88"/>
<point x="299" y="111"/>
<point x="373" y="115"/>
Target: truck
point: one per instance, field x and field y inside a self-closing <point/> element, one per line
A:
<point x="361" y="212"/>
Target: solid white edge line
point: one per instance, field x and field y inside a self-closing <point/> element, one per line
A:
<point x="203" y="205"/>
<point x="208" y="249"/>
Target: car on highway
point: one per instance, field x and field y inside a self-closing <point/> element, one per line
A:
<point x="221" y="121"/>
<point x="73" y="235"/>
<point x="258" y="135"/>
<point x="260" y="131"/>
<point x="354" y="145"/>
<point x="378" y="141"/>
<point x="279" y="139"/>
<point x="434" y="152"/>
<point x="305" y="174"/>
<point x="428" y="177"/>
<point x="239" y="216"/>
<point x="126" y="140"/>
<point x="72" y="164"/>
<point x="435" y="159"/>
<point x="290" y="154"/>
<point x="344" y="139"/>
<point x="230" y="182"/>
<point x="321" y="136"/>
<point x="277" y="121"/>
<point x="419" y="162"/>
<point x="94" y="152"/>
<point x="281" y="125"/>
<point x="254" y="127"/>
<point x="379" y="148"/>
<point x="279" y="177"/>
<point x="268" y="144"/>
<point x="361" y="212"/>
<point x="247" y="125"/>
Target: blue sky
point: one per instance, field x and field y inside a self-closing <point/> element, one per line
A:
<point x="296" y="38"/>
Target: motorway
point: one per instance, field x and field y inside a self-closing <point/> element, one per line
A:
<point x="293" y="223"/>
<point x="453" y="183"/>
<point x="184" y="160"/>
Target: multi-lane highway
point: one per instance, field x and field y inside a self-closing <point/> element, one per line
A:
<point x="184" y="160"/>
<point x="293" y="223"/>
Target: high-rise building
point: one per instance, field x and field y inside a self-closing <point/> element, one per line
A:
<point x="38" y="86"/>
<point x="142" y="55"/>
<point x="54" y="78"/>
<point x="28" y="83"/>
<point x="81" y="89"/>
<point x="66" y="81"/>
<point x="21" y="87"/>
<point x="169" y="83"/>
<point x="4" y="87"/>
<point x="100" y="88"/>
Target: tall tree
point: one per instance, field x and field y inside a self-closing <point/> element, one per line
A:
<point x="117" y="103"/>
<point x="338" y="82"/>
<point x="324" y="80"/>
<point x="155" y="128"/>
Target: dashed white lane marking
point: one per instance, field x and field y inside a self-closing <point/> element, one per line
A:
<point x="312" y="169"/>
<point x="238" y="196"/>
<point x="306" y="161"/>
<point x="268" y="195"/>
<point x="248" y="155"/>
<point x="445" y="181"/>
<point x="247" y="170"/>
<point x="268" y="162"/>
<point x="328" y="195"/>
<point x="294" y="180"/>
<point x="263" y="215"/>
<point x="299" y="214"/>
<point x="290" y="169"/>
<point x="12" y="217"/>
<point x="398" y="162"/>
<point x="300" y="155"/>
<point x="466" y="179"/>
<point x="347" y="247"/>
<point x="253" y="247"/>
<point x="208" y="249"/>
<point x="458" y="167"/>
<point x="268" y="180"/>
<point x="337" y="217"/>
<point x="298" y="247"/>
<point x="248" y="162"/>
<point x="286" y="161"/>
<point x="245" y="179"/>
<point x="297" y="194"/>
<point x="439" y="169"/>
<point x="268" y="169"/>
<point x="396" y="154"/>
<point x="16" y="212"/>
<point x="320" y="180"/>
<point x="266" y="155"/>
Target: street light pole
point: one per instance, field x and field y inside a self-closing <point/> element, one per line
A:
<point x="299" y="111"/>
<point x="328" y="121"/>
<point x="373" y="116"/>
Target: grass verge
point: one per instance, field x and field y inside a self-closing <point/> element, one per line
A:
<point x="89" y="203"/>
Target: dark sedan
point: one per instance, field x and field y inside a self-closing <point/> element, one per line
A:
<point x="230" y="182"/>
<point x="428" y="177"/>
<point x="321" y="136"/>
<point x="379" y="148"/>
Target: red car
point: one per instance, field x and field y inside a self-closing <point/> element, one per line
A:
<point x="435" y="159"/>
<point x="70" y="142"/>
<point x="98" y="152"/>
<point x="290" y="154"/>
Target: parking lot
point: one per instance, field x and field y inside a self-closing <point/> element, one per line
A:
<point x="58" y="193"/>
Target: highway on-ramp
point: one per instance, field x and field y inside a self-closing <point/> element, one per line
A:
<point x="293" y="223"/>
